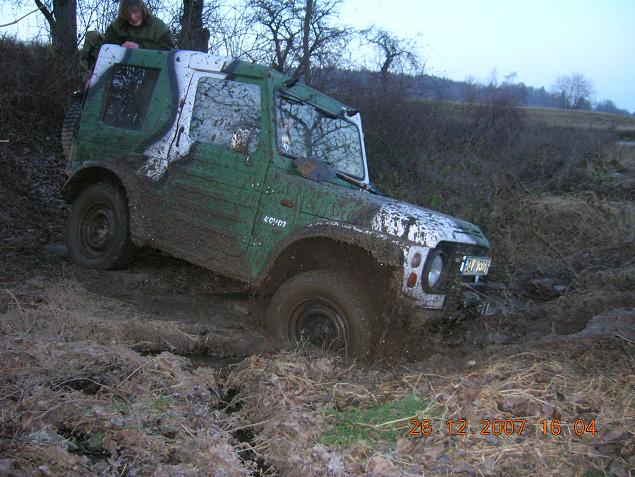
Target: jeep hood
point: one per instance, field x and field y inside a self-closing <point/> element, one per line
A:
<point x="423" y="226"/>
<point x="375" y="213"/>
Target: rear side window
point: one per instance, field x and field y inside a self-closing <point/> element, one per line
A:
<point x="128" y="96"/>
<point x="226" y="113"/>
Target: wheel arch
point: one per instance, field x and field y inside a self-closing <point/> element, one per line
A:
<point x="321" y="252"/>
<point x="88" y="176"/>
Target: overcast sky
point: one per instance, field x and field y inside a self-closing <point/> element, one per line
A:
<point x="538" y="40"/>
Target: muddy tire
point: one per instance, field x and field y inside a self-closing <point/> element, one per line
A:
<point x="70" y="127"/>
<point x="326" y="309"/>
<point x="98" y="233"/>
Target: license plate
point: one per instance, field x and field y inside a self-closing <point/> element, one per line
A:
<point x="475" y="265"/>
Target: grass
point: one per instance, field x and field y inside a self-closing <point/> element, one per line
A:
<point x="580" y="119"/>
<point x="384" y="422"/>
<point x="552" y="117"/>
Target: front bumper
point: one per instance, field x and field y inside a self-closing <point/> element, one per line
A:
<point x="460" y="301"/>
<point x="460" y="292"/>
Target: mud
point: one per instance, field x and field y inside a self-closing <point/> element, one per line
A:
<point x="166" y="368"/>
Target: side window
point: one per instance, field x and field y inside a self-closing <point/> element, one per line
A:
<point x="226" y="113"/>
<point x="128" y="96"/>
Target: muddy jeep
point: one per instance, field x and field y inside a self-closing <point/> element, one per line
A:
<point x="242" y="170"/>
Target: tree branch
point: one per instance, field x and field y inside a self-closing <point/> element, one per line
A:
<point x="47" y="14"/>
<point x="19" y="19"/>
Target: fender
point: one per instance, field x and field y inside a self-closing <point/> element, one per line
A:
<point x="97" y="171"/>
<point x="385" y="249"/>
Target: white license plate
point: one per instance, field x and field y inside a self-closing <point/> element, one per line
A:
<point x="475" y="265"/>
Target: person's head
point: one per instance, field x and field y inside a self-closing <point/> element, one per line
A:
<point x="133" y="12"/>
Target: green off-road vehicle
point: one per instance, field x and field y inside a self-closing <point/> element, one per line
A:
<point x="242" y="170"/>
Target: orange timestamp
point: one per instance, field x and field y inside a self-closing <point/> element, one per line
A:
<point x="503" y="427"/>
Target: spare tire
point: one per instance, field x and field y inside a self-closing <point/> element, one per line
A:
<point x="70" y="127"/>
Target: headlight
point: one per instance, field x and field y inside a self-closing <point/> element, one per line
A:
<point x="434" y="271"/>
<point x="434" y="275"/>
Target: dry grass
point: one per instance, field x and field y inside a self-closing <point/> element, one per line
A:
<point x="580" y="119"/>
<point x="566" y="235"/>
<point x="553" y="117"/>
<point x="532" y="387"/>
<point x="287" y="399"/>
<point x="76" y="408"/>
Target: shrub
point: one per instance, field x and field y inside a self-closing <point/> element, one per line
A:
<point x="36" y="85"/>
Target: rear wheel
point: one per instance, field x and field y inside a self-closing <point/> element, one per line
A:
<point x="326" y="309"/>
<point x="98" y="233"/>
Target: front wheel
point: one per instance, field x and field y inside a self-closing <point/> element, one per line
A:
<point x="98" y="233"/>
<point x="326" y="309"/>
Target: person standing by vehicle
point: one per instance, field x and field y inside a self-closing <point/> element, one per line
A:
<point x="135" y="27"/>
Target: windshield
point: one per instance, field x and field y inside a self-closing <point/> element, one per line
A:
<point x="304" y="132"/>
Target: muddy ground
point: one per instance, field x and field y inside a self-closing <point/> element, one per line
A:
<point x="165" y="369"/>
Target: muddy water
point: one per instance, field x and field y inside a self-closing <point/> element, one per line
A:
<point x="213" y="362"/>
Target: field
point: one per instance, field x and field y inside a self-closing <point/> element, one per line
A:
<point x="552" y="117"/>
<point x="166" y="368"/>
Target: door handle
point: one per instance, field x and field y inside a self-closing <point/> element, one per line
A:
<point x="178" y="136"/>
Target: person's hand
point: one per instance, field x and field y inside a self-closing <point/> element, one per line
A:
<point x="130" y="44"/>
<point x="86" y="77"/>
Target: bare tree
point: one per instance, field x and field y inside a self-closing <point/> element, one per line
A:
<point x="94" y="15"/>
<point x="299" y="33"/>
<point x="395" y="53"/>
<point x="322" y="41"/>
<point x="305" y="60"/>
<point x="193" y="35"/>
<point x="574" y="91"/>
<point x="232" y="33"/>
<point x="278" y="19"/>
<point x="469" y="90"/>
<point x="61" y="16"/>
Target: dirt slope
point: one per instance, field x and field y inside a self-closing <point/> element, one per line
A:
<point x="164" y="369"/>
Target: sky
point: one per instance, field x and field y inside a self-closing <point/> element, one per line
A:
<point x="538" y="40"/>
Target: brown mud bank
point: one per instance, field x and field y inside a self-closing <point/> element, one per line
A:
<point x="91" y="384"/>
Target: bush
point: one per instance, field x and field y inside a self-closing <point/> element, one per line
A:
<point x="36" y="86"/>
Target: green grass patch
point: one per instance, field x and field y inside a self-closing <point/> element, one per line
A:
<point x="384" y="422"/>
<point x="595" y="473"/>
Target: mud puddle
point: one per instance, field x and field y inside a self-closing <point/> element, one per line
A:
<point x="202" y="361"/>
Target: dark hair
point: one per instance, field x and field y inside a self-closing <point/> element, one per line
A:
<point x="126" y="6"/>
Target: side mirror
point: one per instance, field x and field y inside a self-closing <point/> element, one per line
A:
<point x="315" y="169"/>
<point x="372" y="188"/>
<point x="240" y="140"/>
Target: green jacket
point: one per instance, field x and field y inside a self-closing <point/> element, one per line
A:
<point x="153" y="34"/>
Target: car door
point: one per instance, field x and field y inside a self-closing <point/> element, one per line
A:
<point x="218" y="163"/>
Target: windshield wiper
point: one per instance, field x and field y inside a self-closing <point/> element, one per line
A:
<point x="347" y="178"/>
<point x="350" y="180"/>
